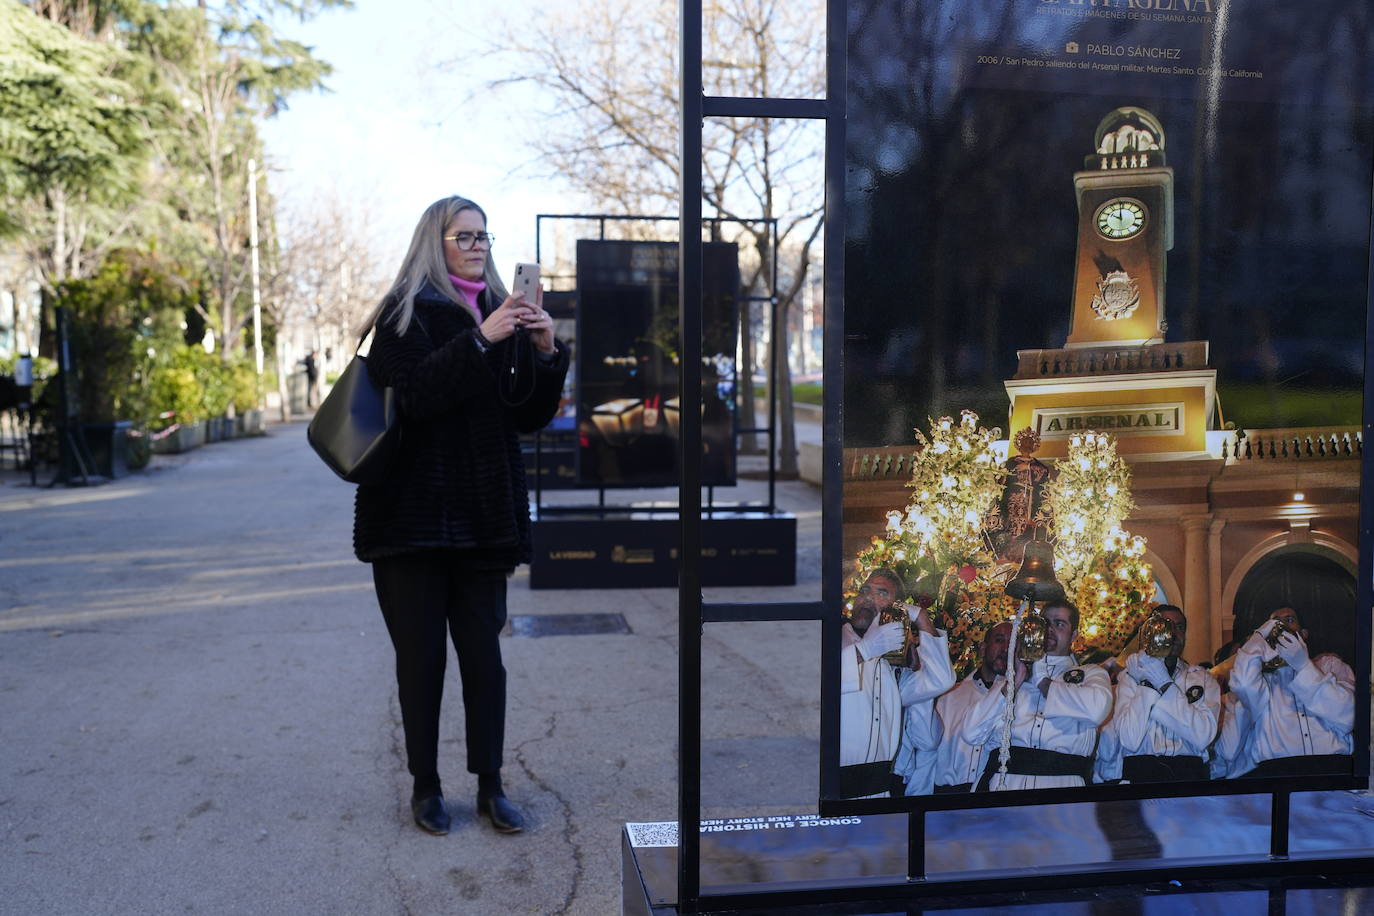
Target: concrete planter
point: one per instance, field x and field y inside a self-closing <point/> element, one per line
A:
<point x="181" y="438"/>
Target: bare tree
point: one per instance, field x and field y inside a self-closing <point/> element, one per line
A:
<point x="323" y="276"/>
<point x="609" y="75"/>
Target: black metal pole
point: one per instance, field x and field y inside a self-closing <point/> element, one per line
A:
<point x="1365" y="581"/>
<point x="916" y="846"/>
<point x="1278" y="826"/>
<point x="689" y="476"/>
<point x="773" y="373"/>
<point x="832" y="388"/>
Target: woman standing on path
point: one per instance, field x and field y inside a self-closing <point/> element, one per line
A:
<point x="451" y="521"/>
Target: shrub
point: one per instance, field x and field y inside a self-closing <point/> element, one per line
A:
<point x="244" y="387"/>
<point x="119" y="319"/>
<point x="216" y="380"/>
<point x="177" y="390"/>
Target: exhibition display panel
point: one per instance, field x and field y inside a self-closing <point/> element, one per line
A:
<point x="1097" y="324"/>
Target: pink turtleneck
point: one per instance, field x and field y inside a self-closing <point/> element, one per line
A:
<point x="469" y="290"/>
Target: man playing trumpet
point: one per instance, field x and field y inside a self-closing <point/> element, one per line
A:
<point x="928" y="675"/>
<point x="1166" y="710"/>
<point x="872" y="699"/>
<point x="1301" y="709"/>
<point x="1057" y="709"/>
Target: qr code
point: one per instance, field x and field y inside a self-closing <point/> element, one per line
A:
<point x="661" y="833"/>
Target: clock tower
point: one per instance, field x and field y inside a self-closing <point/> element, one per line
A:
<point x="1116" y="372"/>
<point x="1125" y="228"/>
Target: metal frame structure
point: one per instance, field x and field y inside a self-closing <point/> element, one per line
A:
<point x="773" y="377"/>
<point x="694" y="613"/>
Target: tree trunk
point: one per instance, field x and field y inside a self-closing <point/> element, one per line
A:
<point x="282" y="391"/>
<point x="748" y="416"/>
<point x="787" y="421"/>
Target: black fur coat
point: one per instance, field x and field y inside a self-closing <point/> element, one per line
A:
<point x="457" y="481"/>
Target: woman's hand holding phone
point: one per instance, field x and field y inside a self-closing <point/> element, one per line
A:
<point x="515" y="313"/>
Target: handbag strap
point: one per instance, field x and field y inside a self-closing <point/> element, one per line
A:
<point x="515" y="379"/>
<point x="414" y="316"/>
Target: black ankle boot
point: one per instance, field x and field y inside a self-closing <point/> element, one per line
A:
<point x="430" y="814"/>
<point x="504" y="816"/>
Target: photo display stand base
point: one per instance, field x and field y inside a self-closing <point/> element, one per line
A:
<point x="858" y="864"/>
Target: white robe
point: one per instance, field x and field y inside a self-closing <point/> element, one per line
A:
<point x="870" y="706"/>
<point x="1231" y="755"/>
<point x="1180" y="722"/>
<point x="915" y="760"/>
<point x="957" y="761"/>
<point x="1065" y="721"/>
<point x="1295" y="713"/>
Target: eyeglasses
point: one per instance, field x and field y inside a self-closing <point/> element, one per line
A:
<point x="466" y="241"/>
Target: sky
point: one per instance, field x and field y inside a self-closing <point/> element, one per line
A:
<point x="396" y="131"/>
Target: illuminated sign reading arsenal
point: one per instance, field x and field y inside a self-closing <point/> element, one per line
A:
<point x="1125" y="420"/>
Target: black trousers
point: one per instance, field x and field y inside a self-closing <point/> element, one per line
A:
<point x="422" y="596"/>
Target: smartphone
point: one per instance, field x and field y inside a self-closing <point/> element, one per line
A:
<point x="527" y="281"/>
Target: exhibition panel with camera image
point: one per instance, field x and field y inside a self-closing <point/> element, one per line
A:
<point x="1133" y="364"/>
<point x="621" y="431"/>
<point x="1104" y="326"/>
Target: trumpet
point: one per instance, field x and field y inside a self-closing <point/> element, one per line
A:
<point x="1157" y="636"/>
<point x="1030" y="642"/>
<point x="1277" y="662"/>
<point x="900" y="612"/>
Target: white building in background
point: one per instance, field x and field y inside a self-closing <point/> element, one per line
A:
<point x="808" y="330"/>
<point x="20" y="297"/>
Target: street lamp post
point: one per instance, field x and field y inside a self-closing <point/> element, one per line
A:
<point x="253" y="247"/>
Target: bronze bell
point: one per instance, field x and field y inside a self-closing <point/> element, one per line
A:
<point x="1157" y="636"/>
<point x="1036" y="581"/>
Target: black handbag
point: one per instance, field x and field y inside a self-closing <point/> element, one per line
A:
<point x="355" y="430"/>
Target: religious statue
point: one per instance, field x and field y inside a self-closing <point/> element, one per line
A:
<point x="1021" y="512"/>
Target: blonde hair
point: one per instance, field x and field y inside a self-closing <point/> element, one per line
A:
<point x="424" y="263"/>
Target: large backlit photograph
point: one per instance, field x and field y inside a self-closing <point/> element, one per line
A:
<point x="1106" y="276"/>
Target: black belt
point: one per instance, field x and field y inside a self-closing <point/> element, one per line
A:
<point x="961" y="788"/>
<point x="1309" y="765"/>
<point x="862" y="779"/>
<point x="1034" y="761"/>
<point x="1163" y="768"/>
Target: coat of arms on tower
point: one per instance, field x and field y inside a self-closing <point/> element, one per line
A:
<point x="1117" y="296"/>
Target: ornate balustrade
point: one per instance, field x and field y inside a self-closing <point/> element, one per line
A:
<point x="1294" y="444"/>
<point x="1069" y="363"/>
<point x="888" y="462"/>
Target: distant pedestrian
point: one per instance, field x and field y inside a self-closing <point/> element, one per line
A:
<point x="312" y="373"/>
<point x="451" y="522"/>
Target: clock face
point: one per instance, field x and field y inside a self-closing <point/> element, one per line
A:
<point x="1121" y="218"/>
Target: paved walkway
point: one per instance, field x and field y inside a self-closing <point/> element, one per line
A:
<point x="199" y="710"/>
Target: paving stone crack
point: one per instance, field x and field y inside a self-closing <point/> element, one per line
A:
<point x="569" y="832"/>
<point x="386" y="767"/>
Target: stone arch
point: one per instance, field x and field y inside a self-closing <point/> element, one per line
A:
<point x="1165" y="577"/>
<point x="1316" y="574"/>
